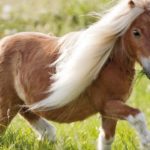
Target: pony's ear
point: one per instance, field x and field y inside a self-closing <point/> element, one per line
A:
<point x="131" y="4"/>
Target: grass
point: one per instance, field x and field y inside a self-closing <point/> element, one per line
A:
<point x="59" y="17"/>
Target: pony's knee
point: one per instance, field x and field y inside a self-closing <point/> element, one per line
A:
<point x="105" y="140"/>
<point x="44" y="130"/>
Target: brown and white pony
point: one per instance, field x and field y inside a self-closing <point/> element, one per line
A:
<point x="70" y="78"/>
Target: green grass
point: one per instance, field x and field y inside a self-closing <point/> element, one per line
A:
<point x="59" y="17"/>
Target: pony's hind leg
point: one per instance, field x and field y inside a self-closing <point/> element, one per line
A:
<point x="107" y="132"/>
<point x="119" y="110"/>
<point x="6" y="115"/>
<point x="8" y="111"/>
<point x="42" y="128"/>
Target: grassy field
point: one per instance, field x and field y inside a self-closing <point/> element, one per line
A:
<point x="59" y="17"/>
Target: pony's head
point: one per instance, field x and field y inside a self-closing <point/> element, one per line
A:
<point x="137" y="41"/>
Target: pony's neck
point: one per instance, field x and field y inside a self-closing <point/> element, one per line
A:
<point x="121" y="57"/>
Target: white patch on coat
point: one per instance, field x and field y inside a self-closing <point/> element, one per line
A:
<point x="103" y="143"/>
<point x="19" y="88"/>
<point x="145" y="62"/>
<point x="44" y="130"/>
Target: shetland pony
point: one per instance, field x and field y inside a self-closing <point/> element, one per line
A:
<point x="70" y="78"/>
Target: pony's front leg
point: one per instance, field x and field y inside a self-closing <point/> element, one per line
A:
<point x="107" y="132"/>
<point x="139" y="123"/>
<point x="119" y="110"/>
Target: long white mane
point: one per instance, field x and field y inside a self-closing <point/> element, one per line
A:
<point x="84" y="53"/>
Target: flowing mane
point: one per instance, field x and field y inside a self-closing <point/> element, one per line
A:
<point x="84" y="53"/>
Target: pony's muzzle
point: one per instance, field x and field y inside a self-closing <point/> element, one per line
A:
<point x="146" y="66"/>
<point x="147" y="73"/>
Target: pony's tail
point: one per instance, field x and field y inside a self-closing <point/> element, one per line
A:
<point x="65" y="94"/>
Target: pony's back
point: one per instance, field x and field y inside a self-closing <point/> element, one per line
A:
<point x="26" y="57"/>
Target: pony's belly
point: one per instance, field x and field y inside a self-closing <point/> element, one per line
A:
<point x="78" y="110"/>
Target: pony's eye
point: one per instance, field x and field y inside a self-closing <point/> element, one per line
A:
<point x="136" y="33"/>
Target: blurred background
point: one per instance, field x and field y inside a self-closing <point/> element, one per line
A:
<point x="56" y="16"/>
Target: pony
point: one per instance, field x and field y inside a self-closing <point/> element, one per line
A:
<point x="69" y="78"/>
